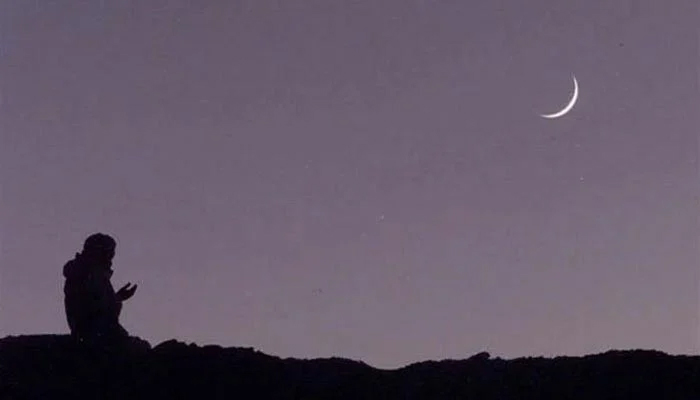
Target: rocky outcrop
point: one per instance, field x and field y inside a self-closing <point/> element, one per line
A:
<point x="54" y="367"/>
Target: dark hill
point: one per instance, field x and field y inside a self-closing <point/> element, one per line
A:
<point x="53" y="367"/>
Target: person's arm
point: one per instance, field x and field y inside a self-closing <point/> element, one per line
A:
<point x="126" y="292"/>
<point x="111" y="305"/>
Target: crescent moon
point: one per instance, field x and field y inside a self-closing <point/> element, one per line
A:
<point x="568" y="107"/>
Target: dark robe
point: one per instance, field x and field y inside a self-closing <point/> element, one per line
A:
<point x="92" y="307"/>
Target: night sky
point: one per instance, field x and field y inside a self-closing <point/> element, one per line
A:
<point x="367" y="179"/>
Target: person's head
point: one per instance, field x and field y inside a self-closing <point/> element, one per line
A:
<point x="100" y="246"/>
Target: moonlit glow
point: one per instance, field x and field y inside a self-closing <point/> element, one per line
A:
<point x="568" y="107"/>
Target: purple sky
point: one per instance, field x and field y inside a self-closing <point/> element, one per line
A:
<point x="363" y="179"/>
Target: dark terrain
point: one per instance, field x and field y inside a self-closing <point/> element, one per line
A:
<point x="53" y="367"/>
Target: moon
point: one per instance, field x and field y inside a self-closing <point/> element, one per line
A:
<point x="568" y="107"/>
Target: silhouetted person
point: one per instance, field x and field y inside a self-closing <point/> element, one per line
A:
<point x="92" y="305"/>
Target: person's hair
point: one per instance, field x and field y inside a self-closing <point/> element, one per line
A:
<point x="99" y="242"/>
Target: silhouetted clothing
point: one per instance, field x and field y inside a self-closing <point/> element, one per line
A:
<point x="92" y="307"/>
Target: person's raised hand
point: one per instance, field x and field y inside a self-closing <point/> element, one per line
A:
<point x="126" y="292"/>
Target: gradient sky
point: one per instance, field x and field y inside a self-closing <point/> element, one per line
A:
<point x="363" y="179"/>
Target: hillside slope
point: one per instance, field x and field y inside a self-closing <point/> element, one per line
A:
<point x="52" y="367"/>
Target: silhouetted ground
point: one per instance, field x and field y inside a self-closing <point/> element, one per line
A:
<point x="52" y="367"/>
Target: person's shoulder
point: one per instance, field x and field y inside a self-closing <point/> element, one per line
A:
<point x="72" y="267"/>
